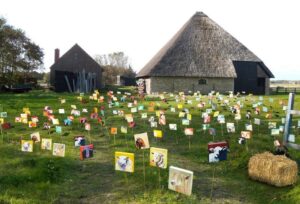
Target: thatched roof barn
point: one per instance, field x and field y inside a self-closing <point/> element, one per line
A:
<point x="202" y="56"/>
<point x="75" y="71"/>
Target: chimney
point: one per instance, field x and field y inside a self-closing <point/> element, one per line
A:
<point x="56" y="55"/>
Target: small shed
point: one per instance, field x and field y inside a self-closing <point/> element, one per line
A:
<point x="75" y="71"/>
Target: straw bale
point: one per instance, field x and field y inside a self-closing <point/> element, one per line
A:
<point x="277" y="170"/>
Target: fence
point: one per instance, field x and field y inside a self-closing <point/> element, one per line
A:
<point x="285" y="90"/>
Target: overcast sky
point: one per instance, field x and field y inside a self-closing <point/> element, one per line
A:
<point x="269" y="28"/>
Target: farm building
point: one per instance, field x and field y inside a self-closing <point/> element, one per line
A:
<point x="202" y="56"/>
<point x="75" y="71"/>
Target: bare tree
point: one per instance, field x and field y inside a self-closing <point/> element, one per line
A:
<point x="114" y="64"/>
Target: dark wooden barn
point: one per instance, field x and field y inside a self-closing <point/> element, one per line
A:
<point x="203" y="57"/>
<point x="75" y="71"/>
<point x="252" y="77"/>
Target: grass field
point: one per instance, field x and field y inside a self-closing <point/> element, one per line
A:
<point x="40" y="177"/>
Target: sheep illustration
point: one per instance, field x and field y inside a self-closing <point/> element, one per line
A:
<point x="47" y="145"/>
<point x="180" y="183"/>
<point x="123" y="162"/>
<point x="26" y="146"/>
<point x="158" y="159"/>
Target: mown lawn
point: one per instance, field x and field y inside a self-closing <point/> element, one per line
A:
<point x="40" y="177"/>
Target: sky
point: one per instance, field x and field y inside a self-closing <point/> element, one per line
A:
<point x="139" y="28"/>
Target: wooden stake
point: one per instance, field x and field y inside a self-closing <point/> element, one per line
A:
<point x="90" y="137"/>
<point x="126" y="183"/>
<point x="222" y="129"/>
<point x="212" y="183"/>
<point x="114" y="139"/>
<point x="2" y="134"/>
<point x="126" y="140"/>
<point x="144" y="170"/>
<point x="159" y="178"/>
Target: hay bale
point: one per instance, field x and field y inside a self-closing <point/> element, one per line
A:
<point x="277" y="170"/>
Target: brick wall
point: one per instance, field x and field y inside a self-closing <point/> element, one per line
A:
<point x="176" y="84"/>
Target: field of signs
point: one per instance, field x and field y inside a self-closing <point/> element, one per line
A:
<point x="114" y="147"/>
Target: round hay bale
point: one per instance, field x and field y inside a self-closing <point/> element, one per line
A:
<point x="277" y="170"/>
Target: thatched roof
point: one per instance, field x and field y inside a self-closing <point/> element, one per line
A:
<point x="201" y="48"/>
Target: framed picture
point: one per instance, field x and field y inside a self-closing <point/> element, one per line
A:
<point x="217" y="151"/>
<point x="141" y="141"/>
<point x="27" y="145"/>
<point x="46" y="144"/>
<point x="86" y="151"/>
<point x="124" y="162"/>
<point x="173" y="126"/>
<point x="189" y="131"/>
<point x="58" y="149"/>
<point x="180" y="180"/>
<point x="35" y="137"/>
<point x="230" y="127"/>
<point x="157" y="133"/>
<point x="246" y="134"/>
<point x="79" y="141"/>
<point x="158" y="157"/>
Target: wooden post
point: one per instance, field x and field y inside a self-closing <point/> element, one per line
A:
<point x="222" y="129"/>
<point x="212" y="183"/>
<point x="114" y="139"/>
<point x="144" y="170"/>
<point x="288" y="118"/>
<point x="126" y="183"/>
<point x="159" y="177"/>
<point x="2" y="134"/>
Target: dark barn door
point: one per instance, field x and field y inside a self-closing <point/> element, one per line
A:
<point x="60" y="84"/>
<point x="247" y="78"/>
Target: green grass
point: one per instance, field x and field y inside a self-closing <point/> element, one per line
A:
<point x="39" y="177"/>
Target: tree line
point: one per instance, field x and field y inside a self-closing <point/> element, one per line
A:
<point x="19" y="55"/>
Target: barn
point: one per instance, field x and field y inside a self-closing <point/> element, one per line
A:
<point x="75" y="71"/>
<point x="203" y="57"/>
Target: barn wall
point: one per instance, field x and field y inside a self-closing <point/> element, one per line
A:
<point x="148" y="85"/>
<point x="52" y="78"/>
<point x="55" y="81"/>
<point x="249" y="76"/>
<point x="75" y="69"/>
<point x="267" y="86"/>
<point x="176" y="84"/>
